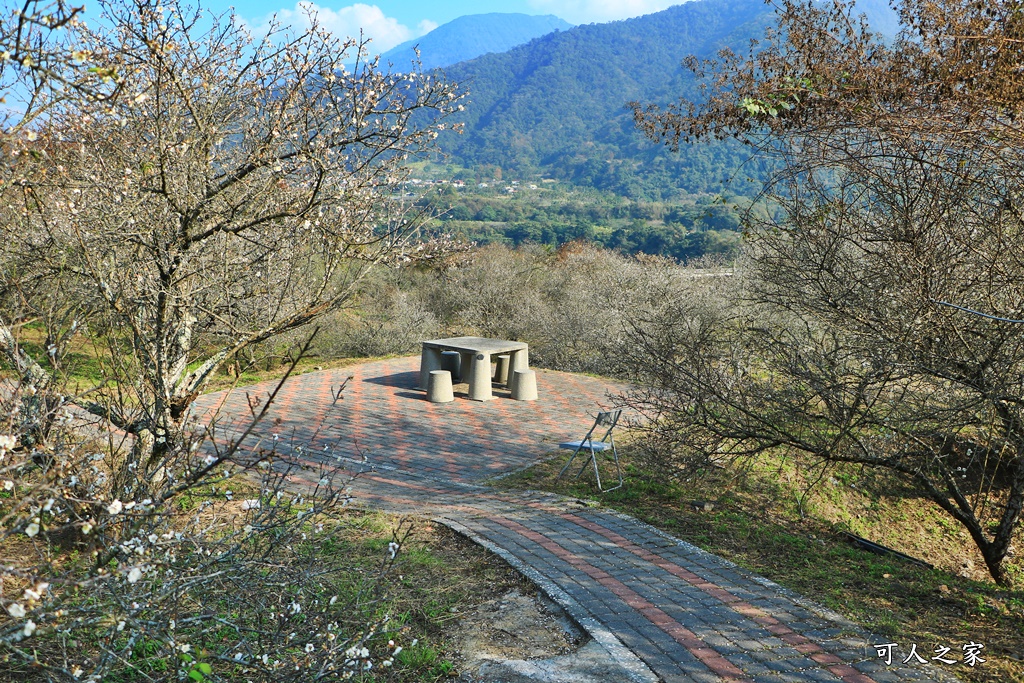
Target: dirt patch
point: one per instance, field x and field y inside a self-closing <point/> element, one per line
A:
<point x="518" y="638"/>
<point x="514" y="626"/>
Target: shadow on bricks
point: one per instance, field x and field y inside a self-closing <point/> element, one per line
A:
<point x="661" y="609"/>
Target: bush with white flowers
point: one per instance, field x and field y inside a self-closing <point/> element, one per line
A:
<point x="124" y="549"/>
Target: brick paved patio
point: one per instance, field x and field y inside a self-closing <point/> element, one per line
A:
<point x="661" y="608"/>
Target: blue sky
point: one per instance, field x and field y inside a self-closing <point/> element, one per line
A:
<point x="390" y="22"/>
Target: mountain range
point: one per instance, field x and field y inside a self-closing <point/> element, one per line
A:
<point x="556" y="105"/>
<point x="471" y="36"/>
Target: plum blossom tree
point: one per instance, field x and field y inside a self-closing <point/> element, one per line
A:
<point x="235" y="189"/>
<point x="176" y="191"/>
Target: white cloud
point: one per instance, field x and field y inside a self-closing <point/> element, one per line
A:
<point x="587" y="11"/>
<point x="385" y="31"/>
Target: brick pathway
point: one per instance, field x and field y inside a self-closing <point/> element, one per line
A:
<point x="663" y="609"/>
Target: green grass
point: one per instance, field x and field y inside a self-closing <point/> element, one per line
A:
<point x="437" y="577"/>
<point x="85" y="366"/>
<point x="764" y="520"/>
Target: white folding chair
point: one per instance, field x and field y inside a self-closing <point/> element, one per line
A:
<point x="589" y="445"/>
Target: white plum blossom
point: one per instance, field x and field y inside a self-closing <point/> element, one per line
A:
<point x="37" y="592"/>
<point x="99" y="199"/>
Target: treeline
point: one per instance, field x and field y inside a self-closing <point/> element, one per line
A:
<point x="684" y="231"/>
<point x="575" y="306"/>
<point x="650" y="173"/>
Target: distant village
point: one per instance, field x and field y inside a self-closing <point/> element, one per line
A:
<point x="508" y="187"/>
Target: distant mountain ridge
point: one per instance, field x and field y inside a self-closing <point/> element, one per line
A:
<point x="471" y="36"/>
<point x="556" y="106"/>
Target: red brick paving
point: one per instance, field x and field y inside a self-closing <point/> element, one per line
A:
<point x="662" y="608"/>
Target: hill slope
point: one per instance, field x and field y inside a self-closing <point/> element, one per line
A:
<point x="470" y="36"/>
<point x="556" y="106"/>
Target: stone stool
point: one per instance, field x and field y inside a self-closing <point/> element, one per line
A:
<point x="524" y="385"/>
<point x="501" y="369"/>
<point x="429" y="361"/>
<point x="452" y="362"/>
<point x="439" y="387"/>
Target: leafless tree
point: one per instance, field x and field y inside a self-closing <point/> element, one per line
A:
<point x="235" y="189"/>
<point x="175" y="192"/>
<point x="194" y="581"/>
<point x="40" y="63"/>
<point x="899" y="185"/>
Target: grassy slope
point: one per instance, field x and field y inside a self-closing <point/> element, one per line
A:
<point x="756" y="522"/>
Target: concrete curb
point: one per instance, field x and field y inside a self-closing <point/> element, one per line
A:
<point x="632" y="665"/>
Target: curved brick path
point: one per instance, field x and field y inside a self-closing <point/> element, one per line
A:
<point x="662" y="608"/>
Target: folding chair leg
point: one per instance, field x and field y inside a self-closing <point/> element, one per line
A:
<point x="571" y="458"/>
<point x="597" y="474"/>
<point x="586" y="463"/>
<point x="618" y="471"/>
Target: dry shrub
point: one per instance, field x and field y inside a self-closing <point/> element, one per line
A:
<point x="574" y="306"/>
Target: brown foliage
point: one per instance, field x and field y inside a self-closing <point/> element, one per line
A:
<point x="898" y="186"/>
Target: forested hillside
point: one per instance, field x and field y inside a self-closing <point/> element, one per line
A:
<point x="557" y="105"/>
